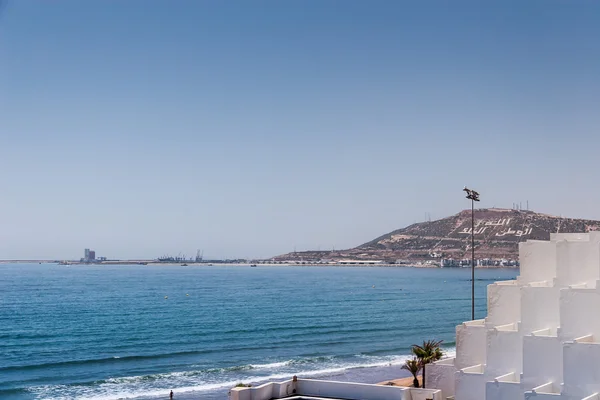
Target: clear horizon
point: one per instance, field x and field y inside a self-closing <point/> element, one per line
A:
<point x="145" y="128"/>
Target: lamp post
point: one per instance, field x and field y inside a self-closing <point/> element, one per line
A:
<point x="473" y="196"/>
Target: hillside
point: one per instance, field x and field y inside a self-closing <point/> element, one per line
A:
<point x="497" y="234"/>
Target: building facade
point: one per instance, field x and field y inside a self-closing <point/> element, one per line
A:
<point x="541" y="337"/>
<point x="89" y="255"/>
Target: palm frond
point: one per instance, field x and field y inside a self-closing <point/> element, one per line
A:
<point x="413" y="366"/>
<point x="428" y="352"/>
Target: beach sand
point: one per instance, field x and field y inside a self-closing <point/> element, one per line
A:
<point x="408" y="382"/>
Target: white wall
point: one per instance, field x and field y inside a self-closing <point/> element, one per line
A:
<point x="581" y="369"/>
<point x="425" y="394"/>
<point x="569" y="236"/>
<point x="594" y="236"/>
<point x="542" y="361"/>
<point x="547" y="391"/>
<point x="579" y="313"/>
<point x="471" y="344"/>
<point x="283" y="389"/>
<point x="470" y="386"/>
<point x="577" y="262"/>
<point x="543" y="396"/>
<point x="538" y="261"/>
<point x="262" y="392"/>
<point x="504" y="353"/>
<point x="504" y="303"/>
<point x="556" y="298"/>
<point x="344" y="390"/>
<point x="503" y="391"/>
<point x="440" y="375"/>
<point x="331" y="389"/>
<point x="539" y="308"/>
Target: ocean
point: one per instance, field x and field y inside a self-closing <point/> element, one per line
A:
<point x="133" y="331"/>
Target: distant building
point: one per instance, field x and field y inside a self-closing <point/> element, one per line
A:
<point x="89" y="256"/>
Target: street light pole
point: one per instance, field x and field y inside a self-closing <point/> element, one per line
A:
<point x="473" y="196"/>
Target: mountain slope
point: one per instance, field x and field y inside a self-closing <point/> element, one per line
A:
<point x="497" y="235"/>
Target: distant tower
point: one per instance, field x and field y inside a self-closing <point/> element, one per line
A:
<point x="87" y="254"/>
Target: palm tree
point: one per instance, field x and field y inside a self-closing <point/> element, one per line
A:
<point x="427" y="353"/>
<point x="413" y="366"/>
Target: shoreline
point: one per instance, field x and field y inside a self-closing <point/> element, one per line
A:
<point x="405" y="382"/>
<point x="225" y="264"/>
<point x="376" y="375"/>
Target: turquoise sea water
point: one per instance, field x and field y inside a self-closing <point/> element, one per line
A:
<point x="108" y="332"/>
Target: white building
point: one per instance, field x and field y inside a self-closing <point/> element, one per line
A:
<point x="541" y="338"/>
<point x="539" y="341"/>
<point x="311" y="389"/>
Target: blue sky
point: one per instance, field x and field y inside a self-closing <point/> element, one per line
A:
<point x="140" y="127"/>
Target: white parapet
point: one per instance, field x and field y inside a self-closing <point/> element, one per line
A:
<point x="594" y="396"/>
<point x="575" y="236"/>
<point x="303" y="388"/>
<point x="506" y="386"/>
<point x="266" y="391"/>
<point x="547" y="391"/>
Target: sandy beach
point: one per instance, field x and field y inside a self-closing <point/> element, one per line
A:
<point x="407" y="381"/>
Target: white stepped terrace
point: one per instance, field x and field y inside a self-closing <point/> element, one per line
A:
<point x="541" y="338"/>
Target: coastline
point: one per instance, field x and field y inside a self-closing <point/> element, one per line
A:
<point x="367" y="374"/>
<point x="379" y="375"/>
<point x="235" y="264"/>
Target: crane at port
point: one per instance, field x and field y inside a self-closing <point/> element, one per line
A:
<point x="181" y="257"/>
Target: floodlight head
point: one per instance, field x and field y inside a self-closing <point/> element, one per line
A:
<point x="471" y="194"/>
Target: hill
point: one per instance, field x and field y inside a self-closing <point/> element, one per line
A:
<point x="497" y="235"/>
